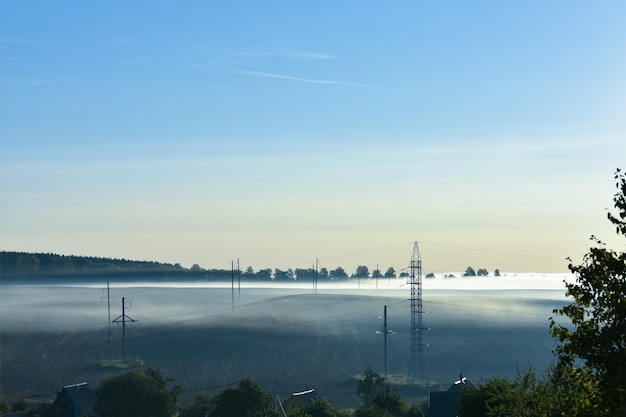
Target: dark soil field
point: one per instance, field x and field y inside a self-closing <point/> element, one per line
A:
<point x="285" y="339"/>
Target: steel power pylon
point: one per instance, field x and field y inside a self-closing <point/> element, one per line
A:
<point x="417" y="337"/>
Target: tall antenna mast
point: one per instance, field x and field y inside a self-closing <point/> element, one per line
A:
<point x="417" y="339"/>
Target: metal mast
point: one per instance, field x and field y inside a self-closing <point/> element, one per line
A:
<point x="417" y="339"/>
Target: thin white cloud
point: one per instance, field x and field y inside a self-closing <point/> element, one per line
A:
<point x="302" y="80"/>
<point x="285" y="53"/>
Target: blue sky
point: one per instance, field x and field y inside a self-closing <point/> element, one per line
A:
<point x="280" y="132"/>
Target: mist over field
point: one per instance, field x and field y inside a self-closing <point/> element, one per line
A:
<point x="287" y="337"/>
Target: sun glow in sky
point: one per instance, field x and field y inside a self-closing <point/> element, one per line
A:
<point x="280" y="132"/>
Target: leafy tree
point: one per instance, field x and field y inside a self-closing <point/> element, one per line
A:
<point x="391" y="273"/>
<point x="381" y="399"/>
<point x="280" y="275"/>
<point x="338" y="273"/>
<point x="203" y="405"/>
<point x="319" y="407"/>
<point x="596" y="337"/>
<point x="137" y="394"/>
<point x="482" y="272"/>
<point x="21" y="405"/>
<point x="362" y="271"/>
<point x="496" y="273"/>
<point x="5" y="407"/>
<point x="368" y="385"/>
<point x="387" y="399"/>
<point x="376" y="273"/>
<point x="430" y="275"/>
<point x="305" y="274"/>
<point x="263" y="274"/>
<point x="245" y="400"/>
<point x="525" y="396"/>
<point x="323" y="273"/>
<point x="469" y="272"/>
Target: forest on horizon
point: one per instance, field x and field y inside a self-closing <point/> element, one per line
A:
<point x="24" y="267"/>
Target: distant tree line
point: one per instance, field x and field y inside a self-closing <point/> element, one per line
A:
<point x="25" y="267"/>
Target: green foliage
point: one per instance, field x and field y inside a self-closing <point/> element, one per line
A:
<point x="362" y="271"/>
<point x="469" y="272"/>
<point x="391" y="273"/>
<point x="263" y="274"/>
<point x="381" y="399"/>
<point x="338" y="273"/>
<point x="319" y="407"/>
<point x="280" y="275"/>
<point x="245" y="400"/>
<point x="368" y="385"/>
<point x="525" y="396"/>
<point x="388" y="400"/>
<point x="305" y="274"/>
<point x="596" y="337"/>
<point x="5" y="407"/>
<point x="21" y="405"/>
<point x="323" y="274"/>
<point x="137" y="394"/>
<point x="482" y="272"/>
<point x="27" y="264"/>
<point x="496" y="272"/>
<point x="203" y="405"/>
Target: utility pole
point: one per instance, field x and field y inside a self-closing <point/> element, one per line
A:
<point x="232" y="284"/>
<point x="238" y="279"/>
<point x="316" y="276"/>
<point x="385" y="331"/>
<point x="109" y="306"/>
<point x="108" y="297"/>
<point x="417" y="338"/>
<point x="122" y="319"/>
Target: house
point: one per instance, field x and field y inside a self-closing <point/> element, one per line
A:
<point x="71" y="395"/>
<point x="443" y="403"/>
<point x="298" y="399"/>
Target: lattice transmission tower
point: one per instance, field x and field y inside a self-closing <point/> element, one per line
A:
<point x="417" y="337"/>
